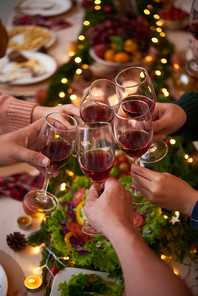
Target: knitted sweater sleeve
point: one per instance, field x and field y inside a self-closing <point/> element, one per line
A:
<point x="189" y="103"/>
<point x="14" y="113"/>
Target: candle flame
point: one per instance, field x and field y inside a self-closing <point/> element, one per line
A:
<point x="31" y="281"/>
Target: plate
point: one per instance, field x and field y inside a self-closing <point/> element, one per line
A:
<point x="48" y="63"/>
<point x="30" y="38"/>
<point x="66" y="274"/>
<point x="107" y="63"/>
<point x="45" y="7"/>
<point x="3" y="282"/>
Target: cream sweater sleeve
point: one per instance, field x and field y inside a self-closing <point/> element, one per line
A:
<point x="14" y="113"/>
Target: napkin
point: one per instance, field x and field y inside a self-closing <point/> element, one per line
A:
<point x="38" y="20"/>
<point x="17" y="185"/>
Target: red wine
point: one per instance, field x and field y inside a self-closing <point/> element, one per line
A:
<point x="94" y="114"/>
<point x="58" y="153"/>
<point x="135" y="143"/>
<point x="96" y="164"/>
<point x="133" y="109"/>
<point x="194" y="30"/>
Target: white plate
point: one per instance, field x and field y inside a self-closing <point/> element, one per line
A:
<point x="48" y="62"/>
<point x="37" y="7"/>
<point x="19" y="39"/>
<point x="66" y="274"/>
<point x="3" y="282"/>
<point x="107" y="63"/>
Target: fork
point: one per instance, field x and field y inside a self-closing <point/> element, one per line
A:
<point x="37" y="7"/>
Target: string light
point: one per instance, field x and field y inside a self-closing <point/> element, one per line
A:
<point x="164" y="61"/>
<point x="78" y="60"/>
<point x="146" y="11"/>
<point x="165" y="217"/>
<point x="158" y="72"/>
<point x="190" y="160"/>
<point x="159" y="23"/>
<point x="73" y="97"/>
<point x="81" y="37"/>
<point x="71" y="53"/>
<point x="86" y="23"/>
<point x="64" y="80"/>
<point x="156" y="16"/>
<point x="154" y="40"/>
<point x="172" y="141"/>
<point x="97" y="7"/>
<point x="63" y="186"/>
<point x="61" y="94"/>
<point x="78" y="71"/>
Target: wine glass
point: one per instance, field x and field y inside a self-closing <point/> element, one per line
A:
<point x="135" y="83"/>
<point x="56" y="141"/>
<point x="134" y="134"/>
<point x="192" y="65"/>
<point x="99" y="101"/>
<point x="95" y="151"/>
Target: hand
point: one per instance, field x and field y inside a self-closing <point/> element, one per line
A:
<point x="194" y="48"/>
<point x="21" y="146"/>
<point x="164" y="190"/>
<point x="41" y="111"/>
<point x="113" y="206"/>
<point x="167" y="119"/>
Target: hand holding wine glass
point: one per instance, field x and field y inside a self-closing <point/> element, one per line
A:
<point x="135" y="83"/>
<point x="99" y="101"/>
<point x="95" y="154"/>
<point x="134" y="132"/>
<point x="56" y="141"/>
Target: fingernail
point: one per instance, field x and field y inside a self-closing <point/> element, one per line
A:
<point x="45" y="161"/>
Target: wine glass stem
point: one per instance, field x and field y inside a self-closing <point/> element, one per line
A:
<point x="43" y="195"/>
<point x="137" y="161"/>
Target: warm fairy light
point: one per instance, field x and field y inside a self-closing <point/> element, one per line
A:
<point x="97" y="2"/>
<point x="142" y="75"/>
<point x="86" y="23"/>
<point x="61" y="94"/>
<point x="176" y="213"/>
<point x="159" y="30"/>
<point x="175" y="271"/>
<point x="158" y="72"/>
<point x="165" y="217"/>
<point x="37" y="249"/>
<point x="162" y="34"/>
<point x="63" y="186"/>
<point x="186" y="156"/>
<point x="78" y="60"/>
<point x="190" y="160"/>
<point x="152" y="28"/>
<point x="80" y="46"/>
<point x="149" y="58"/>
<point x="97" y="7"/>
<point x="149" y="6"/>
<point x="71" y="53"/>
<point x="165" y="92"/>
<point x="172" y="141"/>
<point x="163" y="257"/>
<point x="85" y="66"/>
<point x="156" y="16"/>
<point x="164" y="61"/>
<point x="70" y="90"/>
<point x="73" y="97"/>
<point x="146" y="11"/>
<point x="64" y="80"/>
<point x="176" y="66"/>
<point x="159" y="23"/>
<point x="81" y="37"/>
<point x="70" y="173"/>
<point x="79" y="71"/>
<point x="154" y="40"/>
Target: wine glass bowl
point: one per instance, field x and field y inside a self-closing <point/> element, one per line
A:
<point x="95" y="151"/>
<point x="192" y="64"/>
<point x="99" y="101"/>
<point x="56" y="140"/>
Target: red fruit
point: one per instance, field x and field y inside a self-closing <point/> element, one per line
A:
<point x="99" y="50"/>
<point x="54" y="270"/>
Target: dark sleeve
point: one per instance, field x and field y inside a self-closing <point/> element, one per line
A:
<point x="189" y="103"/>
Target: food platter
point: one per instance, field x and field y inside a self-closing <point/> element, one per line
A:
<point x="66" y="274"/>
<point x="45" y="7"/>
<point x="30" y="38"/>
<point x="45" y="66"/>
<point x="3" y="282"/>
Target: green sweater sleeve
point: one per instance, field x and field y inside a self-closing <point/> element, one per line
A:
<point x="189" y="103"/>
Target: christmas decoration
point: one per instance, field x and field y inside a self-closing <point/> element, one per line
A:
<point x="16" y="241"/>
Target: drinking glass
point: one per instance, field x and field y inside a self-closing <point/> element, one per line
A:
<point x="135" y="83"/>
<point x="134" y="134"/>
<point x="96" y="154"/>
<point x="99" y="101"/>
<point x="56" y="141"/>
<point x="192" y="65"/>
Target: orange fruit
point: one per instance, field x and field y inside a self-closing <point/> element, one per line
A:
<point x="109" y="55"/>
<point x="121" y="57"/>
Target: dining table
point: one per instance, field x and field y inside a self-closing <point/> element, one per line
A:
<point x="21" y="264"/>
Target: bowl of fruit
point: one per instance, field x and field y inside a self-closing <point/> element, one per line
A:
<point x="174" y="18"/>
<point x="120" y="40"/>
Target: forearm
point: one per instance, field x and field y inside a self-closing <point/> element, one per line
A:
<point x="144" y="272"/>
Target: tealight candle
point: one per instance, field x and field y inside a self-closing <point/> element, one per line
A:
<point x="130" y="87"/>
<point x="24" y="222"/>
<point x="33" y="283"/>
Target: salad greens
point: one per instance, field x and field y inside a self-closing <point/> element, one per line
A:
<point x="89" y="284"/>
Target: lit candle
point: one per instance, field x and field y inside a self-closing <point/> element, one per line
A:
<point x="130" y="87"/>
<point x="24" y="222"/>
<point x="113" y="100"/>
<point x="98" y="94"/>
<point x="33" y="283"/>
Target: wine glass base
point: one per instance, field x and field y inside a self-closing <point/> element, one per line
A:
<point x="89" y="230"/>
<point x="192" y="67"/>
<point x="156" y="152"/>
<point x="46" y="206"/>
<point x="137" y="198"/>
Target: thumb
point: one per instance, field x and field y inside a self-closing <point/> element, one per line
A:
<point x="32" y="157"/>
<point x="93" y="193"/>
